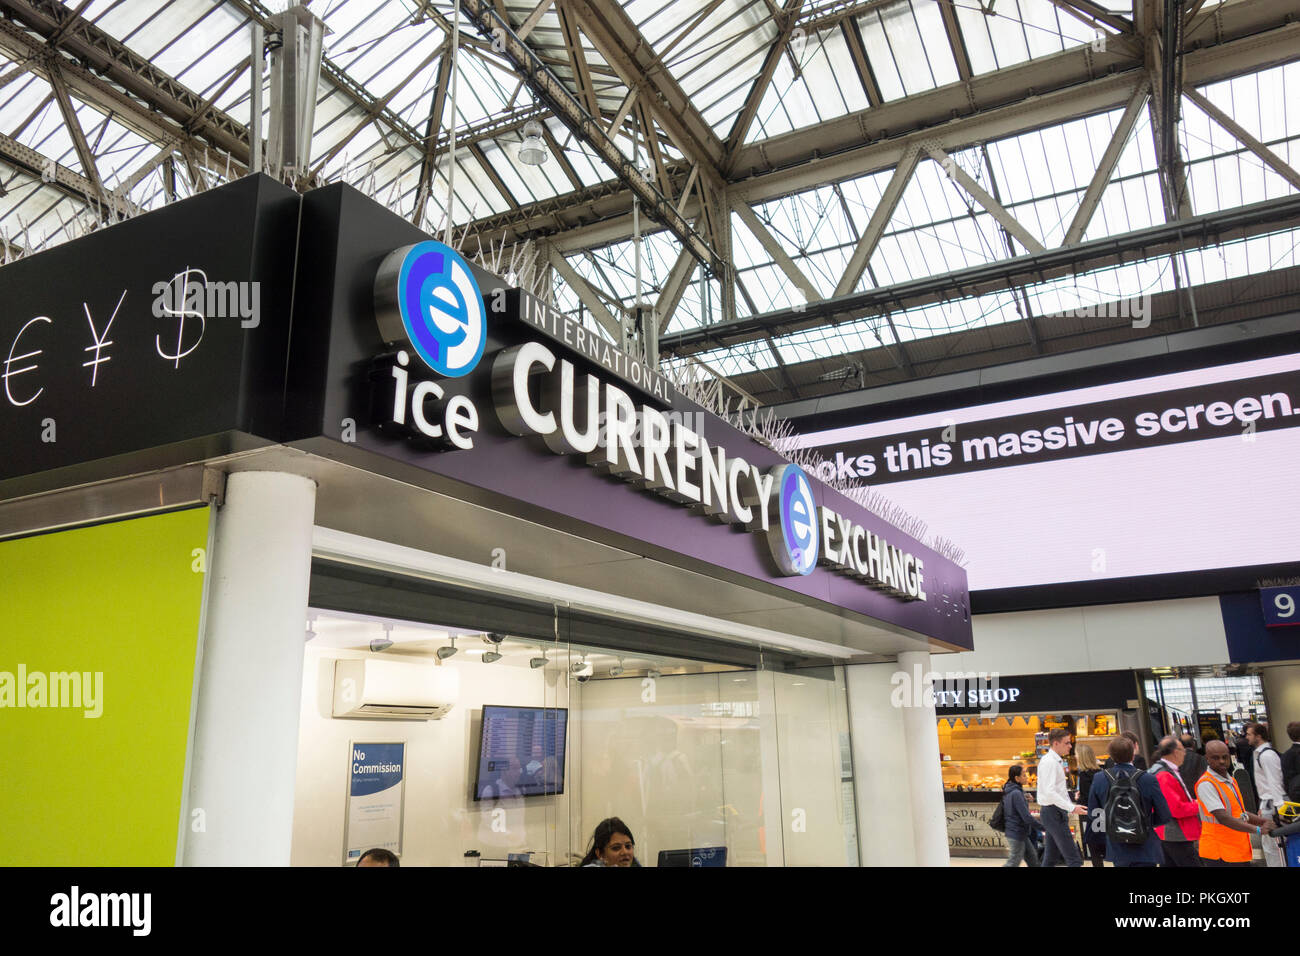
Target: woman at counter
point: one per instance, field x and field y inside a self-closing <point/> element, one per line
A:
<point x="1020" y="825"/>
<point x="611" y="845"/>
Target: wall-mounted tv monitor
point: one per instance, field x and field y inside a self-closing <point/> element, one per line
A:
<point x="520" y="752"/>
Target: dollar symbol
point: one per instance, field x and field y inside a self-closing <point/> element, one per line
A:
<point x="174" y="304"/>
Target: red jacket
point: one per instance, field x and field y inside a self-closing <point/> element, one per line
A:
<point x="1186" y="813"/>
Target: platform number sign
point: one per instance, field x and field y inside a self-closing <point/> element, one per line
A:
<point x="1281" y="606"/>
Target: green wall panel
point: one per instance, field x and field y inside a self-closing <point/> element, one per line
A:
<point x="119" y="602"/>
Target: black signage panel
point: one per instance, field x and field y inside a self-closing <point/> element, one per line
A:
<point x="161" y="329"/>
<point x="1038" y="693"/>
<point x="250" y="315"/>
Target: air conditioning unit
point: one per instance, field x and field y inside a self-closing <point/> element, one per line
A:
<point x="388" y="689"/>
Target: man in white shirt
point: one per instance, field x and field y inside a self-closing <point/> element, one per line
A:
<point x="1055" y="803"/>
<point x="1268" y="785"/>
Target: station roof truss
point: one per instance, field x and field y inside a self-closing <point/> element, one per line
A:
<point x="831" y="193"/>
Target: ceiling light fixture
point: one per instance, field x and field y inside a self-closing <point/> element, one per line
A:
<point x="540" y="661"/>
<point x="533" y="152"/>
<point x="383" y="643"/>
<point x="617" y="669"/>
<point x="491" y="657"/>
<point x="447" y="651"/>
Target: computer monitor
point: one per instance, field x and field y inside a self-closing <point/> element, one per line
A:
<point x="700" y="856"/>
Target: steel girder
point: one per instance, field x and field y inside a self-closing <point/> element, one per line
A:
<point x="1080" y="82"/>
<point x="151" y="101"/>
<point x="1143" y="244"/>
<point x="547" y="87"/>
<point x="99" y="70"/>
<point x="614" y="34"/>
<point x="65" y="180"/>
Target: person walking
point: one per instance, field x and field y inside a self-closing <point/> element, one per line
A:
<point x="1094" y="835"/>
<point x="1021" y="825"/>
<point x="1138" y="760"/>
<point x="1136" y="813"/>
<point x="1241" y="750"/>
<point x="1291" y="762"/>
<point x="1226" y="824"/>
<point x="1268" y="784"/>
<point x="1055" y="803"/>
<point x="1193" y="763"/>
<point x="1178" y="838"/>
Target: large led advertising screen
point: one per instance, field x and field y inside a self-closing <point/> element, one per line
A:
<point x="1186" y="471"/>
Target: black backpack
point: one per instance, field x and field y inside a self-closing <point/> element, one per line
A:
<point x="1126" y="815"/>
<point x="999" y="819"/>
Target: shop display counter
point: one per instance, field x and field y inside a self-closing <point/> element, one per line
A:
<point x="977" y="753"/>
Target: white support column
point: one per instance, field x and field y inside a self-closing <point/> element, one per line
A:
<point x="245" y="751"/>
<point x="921" y="736"/>
<point x="880" y="767"/>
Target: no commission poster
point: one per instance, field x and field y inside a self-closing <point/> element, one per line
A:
<point x="376" y="790"/>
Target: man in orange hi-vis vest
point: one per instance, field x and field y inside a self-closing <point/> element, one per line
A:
<point x="1226" y="825"/>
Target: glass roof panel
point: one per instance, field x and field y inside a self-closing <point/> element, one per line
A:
<point x="1019" y="30"/>
<point x="715" y="62"/>
<point x="931" y="42"/>
<point x="714" y="49"/>
<point x="183" y="30"/>
<point x="1265" y="104"/>
<point x="881" y="56"/>
<point x="1232" y="260"/>
<point x="816" y="94"/>
<point x="359" y="27"/>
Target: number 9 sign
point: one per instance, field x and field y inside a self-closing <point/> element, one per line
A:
<point x="1280" y="606"/>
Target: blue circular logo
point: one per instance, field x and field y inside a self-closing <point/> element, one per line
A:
<point x="799" y="539"/>
<point x="442" y="308"/>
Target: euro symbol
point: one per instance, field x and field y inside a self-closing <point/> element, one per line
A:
<point x="180" y="301"/>
<point x="11" y="372"/>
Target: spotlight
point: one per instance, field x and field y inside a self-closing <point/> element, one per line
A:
<point x="378" y="644"/>
<point x="537" y="662"/>
<point x="654" y="673"/>
<point x="533" y="152"/>
<point x="491" y="657"/>
<point x="617" y="669"/>
<point x="582" y="669"/>
<point x="448" y="651"/>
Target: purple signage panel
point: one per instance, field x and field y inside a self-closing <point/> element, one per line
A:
<point x="444" y="369"/>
